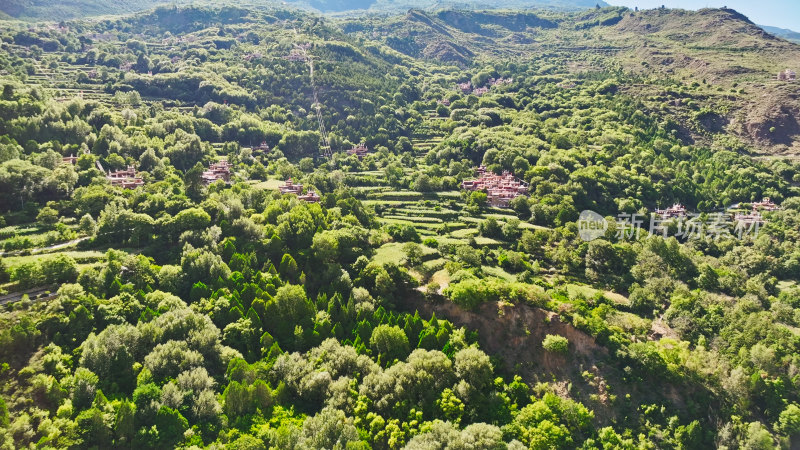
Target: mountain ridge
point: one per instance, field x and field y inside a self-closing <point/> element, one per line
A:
<point x="734" y="59"/>
<point x="34" y="10"/>
<point x="785" y="33"/>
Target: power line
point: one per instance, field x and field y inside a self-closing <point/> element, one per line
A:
<point x="326" y="147"/>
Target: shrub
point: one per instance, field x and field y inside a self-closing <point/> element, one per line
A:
<point x="28" y="275"/>
<point x="413" y="253"/>
<point x="390" y="342"/>
<point x="556" y="344"/>
<point x="5" y="275"/>
<point x="403" y="233"/>
<point x="431" y="242"/>
<point x="48" y="217"/>
<point x="17" y="243"/>
<point x="59" y="269"/>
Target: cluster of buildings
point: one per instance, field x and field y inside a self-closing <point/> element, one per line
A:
<point x="296" y="55"/>
<point x="360" y="150"/>
<point x="755" y="213"/>
<point x="290" y="187"/>
<point x="787" y="75"/>
<point x="125" y="178"/>
<point x="500" y="189"/>
<point x="467" y="88"/>
<point x="217" y="171"/>
<point x="765" y="205"/>
<point x="500" y="81"/>
<point x="261" y="148"/>
<point x="676" y="211"/>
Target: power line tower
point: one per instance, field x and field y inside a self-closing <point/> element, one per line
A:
<point x="326" y="147"/>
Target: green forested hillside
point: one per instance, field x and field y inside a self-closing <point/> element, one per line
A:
<point x="68" y="9"/>
<point x="727" y="62"/>
<point x="47" y="10"/>
<point x="201" y="303"/>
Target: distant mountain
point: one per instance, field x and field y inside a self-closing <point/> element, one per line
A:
<point x="734" y="60"/>
<point x="724" y="50"/>
<point x="784" y="33"/>
<point x="69" y="9"/>
<point x="404" y="5"/>
<point x="57" y="10"/>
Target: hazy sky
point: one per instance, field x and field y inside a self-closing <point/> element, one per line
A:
<point x="777" y="13"/>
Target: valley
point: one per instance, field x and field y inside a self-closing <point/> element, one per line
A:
<point x="257" y="226"/>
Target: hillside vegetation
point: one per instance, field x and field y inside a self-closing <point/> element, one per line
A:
<point x="68" y="9"/>
<point x="714" y="58"/>
<point x="202" y="302"/>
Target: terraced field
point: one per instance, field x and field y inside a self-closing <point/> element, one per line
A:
<point x="440" y="218"/>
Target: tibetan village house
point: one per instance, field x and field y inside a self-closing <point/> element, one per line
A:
<point x="787" y="75"/>
<point x="500" y="189"/>
<point x="359" y="150"/>
<point x="125" y="179"/>
<point x="766" y="205"/>
<point x="290" y="187"/>
<point x="675" y="211"/>
<point x="261" y="148"/>
<point x="217" y="171"/>
<point x="310" y="196"/>
<point x="749" y="219"/>
<point x="295" y="55"/>
<point x="500" y="81"/>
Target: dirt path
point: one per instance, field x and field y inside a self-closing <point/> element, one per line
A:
<point x="38" y="293"/>
<point x="34" y="251"/>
